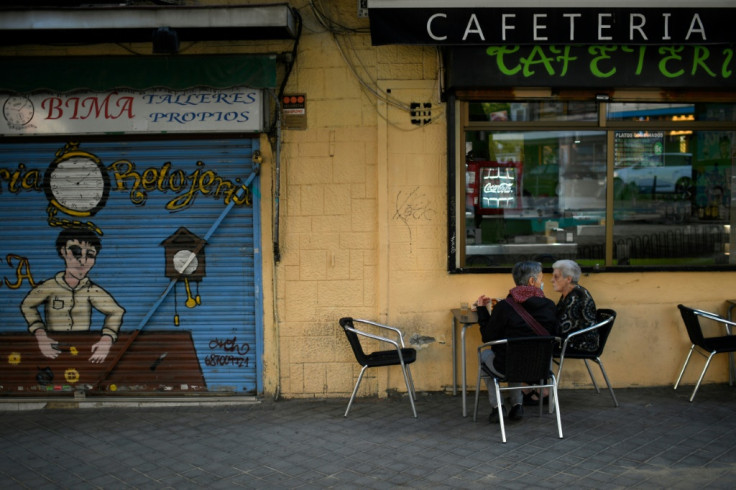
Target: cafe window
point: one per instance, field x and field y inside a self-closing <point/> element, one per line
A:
<point x="534" y="184"/>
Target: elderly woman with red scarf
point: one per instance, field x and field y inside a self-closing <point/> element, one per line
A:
<point x="504" y="322"/>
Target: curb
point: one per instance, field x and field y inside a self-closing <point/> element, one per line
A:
<point x="23" y="404"/>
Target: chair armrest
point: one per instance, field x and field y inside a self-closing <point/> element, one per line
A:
<point x="381" y="339"/>
<point x="398" y="332"/>
<point x="373" y="336"/>
<point x="584" y="331"/>
<point x="717" y="318"/>
<point x="590" y="328"/>
<point x="490" y="344"/>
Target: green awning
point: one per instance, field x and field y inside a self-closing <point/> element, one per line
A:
<point x="102" y="73"/>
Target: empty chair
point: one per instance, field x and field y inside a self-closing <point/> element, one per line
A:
<point x="605" y="319"/>
<point x="398" y="356"/>
<point x="527" y="358"/>
<point x="705" y="346"/>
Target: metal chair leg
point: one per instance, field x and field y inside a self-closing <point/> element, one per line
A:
<point x="550" y="405"/>
<point x="477" y="396"/>
<point x="541" y="396"/>
<point x="559" y="369"/>
<point x="592" y="378"/>
<point x="500" y="410"/>
<point x="557" y="405"/>
<point x="605" y="376"/>
<point x="702" y="375"/>
<point x="355" y="390"/>
<point x="409" y="387"/>
<point x="552" y="401"/>
<point x="687" y="360"/>
<point x="411" y="380"/>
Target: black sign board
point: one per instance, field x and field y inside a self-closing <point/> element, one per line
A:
<point x="592" y="66"/>
<point x="453" y="25"/>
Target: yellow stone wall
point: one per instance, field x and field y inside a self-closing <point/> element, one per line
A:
<point x="363" y="228"/>
<point x="365" y="235"/>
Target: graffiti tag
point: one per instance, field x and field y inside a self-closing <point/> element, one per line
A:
<point x="235" y="353"/>
<point x="412" y="206"/>
<point x="221" y="360"/>
<point x="230" y="345"/>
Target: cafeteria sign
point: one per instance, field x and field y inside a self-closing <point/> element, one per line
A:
<point x="474" y="22"/>
<point x="592" y="66"/>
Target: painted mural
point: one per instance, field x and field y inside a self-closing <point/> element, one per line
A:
<point x="129" y="267"/>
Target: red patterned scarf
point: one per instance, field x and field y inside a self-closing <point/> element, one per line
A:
<point x="523" y="293"/>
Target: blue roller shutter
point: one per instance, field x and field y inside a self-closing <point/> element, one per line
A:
<point x="178" y="231"/>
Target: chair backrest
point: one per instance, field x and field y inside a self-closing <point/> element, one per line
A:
<point x="346" y="323"/>
<point x="602" y="315"/>
<point x="529" y="358"/>
<point x="692" y="324"/>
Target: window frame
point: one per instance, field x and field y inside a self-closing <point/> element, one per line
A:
<point x="460" y="102"/>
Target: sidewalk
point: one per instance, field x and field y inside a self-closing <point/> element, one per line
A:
<point x="655" y="439"/>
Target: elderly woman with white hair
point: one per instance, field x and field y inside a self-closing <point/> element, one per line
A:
<point x="575" y="311"/>
<point x="576" y="308"/>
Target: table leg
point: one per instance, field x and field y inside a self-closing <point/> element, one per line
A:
<point x="731" y="366"/>
<point x="462" y="351"/>
<point x="454" y="357"/>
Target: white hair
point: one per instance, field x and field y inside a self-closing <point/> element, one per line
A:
<point x="568" y="268"/>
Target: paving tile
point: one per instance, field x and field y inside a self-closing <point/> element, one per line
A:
<point x="656" y="438"/>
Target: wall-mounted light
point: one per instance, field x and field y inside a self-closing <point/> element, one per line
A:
<point x="165" y="41"/>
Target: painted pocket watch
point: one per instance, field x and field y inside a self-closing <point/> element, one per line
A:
<point x="76" y="182"/>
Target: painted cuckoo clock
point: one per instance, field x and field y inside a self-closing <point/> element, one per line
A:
<point x="185" y="261"/>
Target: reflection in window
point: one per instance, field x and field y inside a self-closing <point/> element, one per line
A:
<point x="533" y="111"/>
<point x="671" y="196"/>
<point x="543" y="194"/>
<point x="675" y="112"/>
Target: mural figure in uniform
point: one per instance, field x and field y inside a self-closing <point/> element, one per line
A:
<point x="69" y="297"/>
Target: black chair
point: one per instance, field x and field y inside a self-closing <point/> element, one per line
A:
<point x="398" y="356"/>
<point x="527" y="358"/>
<point x="604" y="323"/>
<point x="705" y="346"/>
